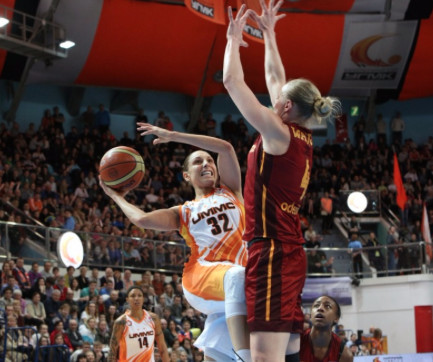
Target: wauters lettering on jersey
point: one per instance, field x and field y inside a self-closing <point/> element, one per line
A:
<point x="302" y="136"/>
<point x="141" y="334"/>
<point x="212" y="211"/>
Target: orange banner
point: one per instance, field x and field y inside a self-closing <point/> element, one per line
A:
<point x="401" y="192"/>
<point x="212" y="10"/>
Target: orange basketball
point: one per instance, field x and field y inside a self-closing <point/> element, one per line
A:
<point x="122" y="168"/>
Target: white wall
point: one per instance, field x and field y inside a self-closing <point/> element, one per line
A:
<point x="388" y="303"/>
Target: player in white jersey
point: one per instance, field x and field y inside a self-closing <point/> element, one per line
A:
<point x="136" y="331"/>
<point x="212" y="225"/>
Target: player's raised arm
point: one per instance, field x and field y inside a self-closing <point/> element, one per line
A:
<point x="268" y="123"/>
<point x="228" y="165"/>
<point x="275" y="74"/>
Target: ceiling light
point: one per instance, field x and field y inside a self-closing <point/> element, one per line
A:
<point x="67" y="44"/>
<point x="3" y="22"/>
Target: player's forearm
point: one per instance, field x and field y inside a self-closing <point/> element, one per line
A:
<point x="232" y="72"/>
<point x="209" y="143"/>
<point x="132" y="212"/>
<point x="274" y="69"/>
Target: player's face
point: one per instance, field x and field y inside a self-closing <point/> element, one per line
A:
<point x="202" y="171"/>
<point x="324" y="313"/>
<point x="135" y="299"/>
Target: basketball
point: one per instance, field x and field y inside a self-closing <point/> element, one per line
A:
<point x="122" y="168"/>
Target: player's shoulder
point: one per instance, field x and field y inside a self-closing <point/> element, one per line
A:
<point x="121" y="320"/>
<point x="154" y="316"/>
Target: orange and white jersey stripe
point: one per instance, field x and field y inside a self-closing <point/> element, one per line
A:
<point x="213" y="226"/>
<point x="138" y="339"/>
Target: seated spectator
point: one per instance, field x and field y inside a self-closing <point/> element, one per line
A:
<point x="171" y="334"/>
<point x="6" y="298"/>
<point x="83" y="280"/>
<point x="103" y="334"/>
<point x="89" y="293"/>
<point x="109" y="286"/>
<point x="113" y="300"/>
<point x="58" y="328"/>
<point x="111" y="315"/>
<point x="42" y="333"/>
<point x="75" y="289"/>
<point x="73" y="334"/>
<point x="12" y="283"/>
<point x="17" y="295"/>
<point x="376" y="341"/>
<point x="69" y="276"/>
<point x="34" y="274"/>
<point x="81" y="352"/>
<point x="40" y="287"/>
<point x="98" y="349"/>
<point x="131" y="255"/>
<point x="46" y="272"/>
<point x="185" y="332"/>
<point x="14" y="339"/>
<point x="88" y="330"/>
<point x="35" y="311"/>
<point x="16" y="305"/>
<point x="52" y="306"/>
<point x="22" y="278"/>
<point x="61" y="285"/>
<point x="318" y="263"/>
<point x="63" y="315"/>
<point x="90" y="311"/>
<point x="114" y="253"/>
<point x="127" y="281"/>
<point x="58" y="352"/>
<point x="109" y="274"/>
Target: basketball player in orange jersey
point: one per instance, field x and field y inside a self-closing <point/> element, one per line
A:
<point x="212" y="226"/>
<point x="135" y="332"/>
<point x="278" y="172"/>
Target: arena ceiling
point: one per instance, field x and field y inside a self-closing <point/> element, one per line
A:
<point x="347" y="47"/>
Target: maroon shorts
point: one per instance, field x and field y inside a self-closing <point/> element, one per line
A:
<point x="275" y="276"/>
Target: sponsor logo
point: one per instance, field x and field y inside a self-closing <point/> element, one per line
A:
<point x="128" y="323"/>
<point x="289" y="208"/>
<point x="359" y="53"/>
<point x="212" y="211"/>
<point x="357" y="75"/>
<point x="141" y="334"/>
<point x="202" y="9"/>
<point x="251" y="30"/>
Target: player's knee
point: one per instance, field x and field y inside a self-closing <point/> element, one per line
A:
<point x="234" y="288"/>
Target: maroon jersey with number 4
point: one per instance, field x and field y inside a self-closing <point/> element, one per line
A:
<point x="275" y="187"/>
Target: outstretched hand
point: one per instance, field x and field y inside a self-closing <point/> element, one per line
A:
<point x="163" y="135"/>
<point x="269" y="16"/>
<point x="109" y="191"/>
<point x="236" y="26"/>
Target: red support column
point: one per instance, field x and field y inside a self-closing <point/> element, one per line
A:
<point x="424" y="328"/>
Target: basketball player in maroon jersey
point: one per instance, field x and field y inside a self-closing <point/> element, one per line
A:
<point x="279" y="166"/>
<point x="320" y="344"/>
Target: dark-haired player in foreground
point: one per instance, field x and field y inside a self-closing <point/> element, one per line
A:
<point x="320" y="344"/>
